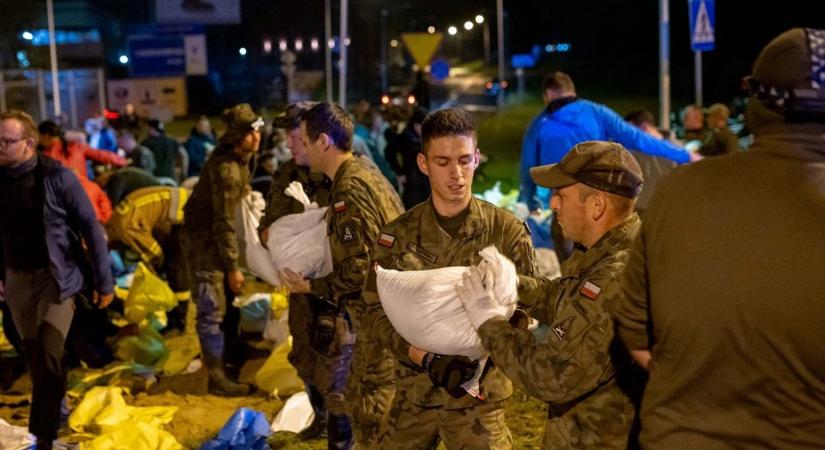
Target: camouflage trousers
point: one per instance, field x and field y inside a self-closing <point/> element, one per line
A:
<point x="371" y="387"/>
<point x="328" y="373"/>
<point x="412" y="427"/>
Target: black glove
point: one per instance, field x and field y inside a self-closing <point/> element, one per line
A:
<point x="323" y="331"/>
<point x="449" y="372"/>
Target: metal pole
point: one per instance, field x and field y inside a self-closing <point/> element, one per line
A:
<point x="342" y="69"/>
<point x="53" y="58"/>
<point x="664" y="64"/>
<point x="72" y="98"/>
<point x="327" y="49"/>
<point x="384" y="78"/>
<point x="486" y="34"/>
<point x="500" y="32"/>
<point x="697" y="67"/>
<point x="101" y="89"/>
<point x="41" y="95"/>
<point x="2" y="91"/>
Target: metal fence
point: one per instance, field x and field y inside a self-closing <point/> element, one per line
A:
<point x="82" y="93"/>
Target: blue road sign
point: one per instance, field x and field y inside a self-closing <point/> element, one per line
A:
<point x="522" y="61"/>
<point x="439" y="69"/>
<point x="157" y="56"/>
<point x="702" y="25"/>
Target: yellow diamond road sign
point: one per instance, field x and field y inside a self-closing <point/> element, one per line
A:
<point x="422" y="46"/>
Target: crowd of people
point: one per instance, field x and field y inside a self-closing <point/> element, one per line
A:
<point x="687" y="314"/>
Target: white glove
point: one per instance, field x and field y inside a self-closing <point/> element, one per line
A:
<point x="477" y="299"/>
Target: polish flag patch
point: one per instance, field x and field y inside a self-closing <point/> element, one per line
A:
<point x="590" y="291"/>
<point x="340" y="206"/>
<point x="386" y="240"/>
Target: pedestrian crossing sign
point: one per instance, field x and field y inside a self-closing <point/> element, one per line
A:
<point x="702" y="25"/>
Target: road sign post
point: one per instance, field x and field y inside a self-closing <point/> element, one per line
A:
<point x="702" y="15"/>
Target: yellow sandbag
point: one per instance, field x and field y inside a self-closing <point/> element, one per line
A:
<point x="103" y="410"/>
<point x="147" y="348"/>
<point x="179" y="359"/>
<point x="147" y="294"/>
<point x="133" y="436"/>
<point x="277" y="376"/>
<point x="279" y="301"/>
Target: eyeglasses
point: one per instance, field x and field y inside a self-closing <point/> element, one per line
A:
<point x="6" y="143"/>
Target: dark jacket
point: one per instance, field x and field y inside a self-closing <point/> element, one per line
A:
<point x="165" y="150"/>
<point x="69" y="216"/>
<point x="196" y="148"/>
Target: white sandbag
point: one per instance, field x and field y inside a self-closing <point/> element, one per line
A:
<point x="258" y="259"/>
<point x="295" y="416"/>
<point x="424" y="309"/>
<point x="548" y="263"/>
<point x="14" y="437"/>
<point x="299" y="242"/>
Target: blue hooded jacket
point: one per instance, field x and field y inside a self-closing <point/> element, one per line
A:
<point x="552" y="134"/>
<point x="68" y="216"/>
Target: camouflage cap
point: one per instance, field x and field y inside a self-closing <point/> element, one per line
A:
<point x="291" y="118"/>
<point x="241" y="119"/>
<point x="606" y="166"/>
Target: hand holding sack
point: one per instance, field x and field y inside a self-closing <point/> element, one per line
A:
<point x="425" y="309"/>
<point x="299" y="241"/>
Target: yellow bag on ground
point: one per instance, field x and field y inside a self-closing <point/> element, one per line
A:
<point x="104" y="410"/>
<point x="147" y="294"/>
<point x="147" y="348"/>
<point x="277" y="376"/>
<point x="133" y="436"/>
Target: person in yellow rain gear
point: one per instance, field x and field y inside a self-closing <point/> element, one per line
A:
<point x="147" y="222"/>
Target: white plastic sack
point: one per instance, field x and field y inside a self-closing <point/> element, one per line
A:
<point x="295" y="416"/>
<point x="298" y="242"/>
<point x="548" y="263"/>
<point x="15" y="438"/>
<point x="424" y="309"/>
<point x="258" y="260"/>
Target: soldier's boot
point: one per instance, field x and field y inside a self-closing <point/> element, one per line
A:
<point x="219" y="383"/>
<point x="339" y="432"/>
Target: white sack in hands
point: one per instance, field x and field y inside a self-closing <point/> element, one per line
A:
<point x="298" y="242"/>
<point x="424" y="309"/>
<point x="258" y="260"/>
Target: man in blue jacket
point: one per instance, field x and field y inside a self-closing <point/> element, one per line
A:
<point x="43" y="264"/>
<point x="567" y="121"/>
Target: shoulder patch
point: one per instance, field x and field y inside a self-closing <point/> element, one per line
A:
<point x="560" y="328"/>
<point x="386" y="240"/>
<point x="340" y="206"/>
<point x="590" y="290"/>
<point x="347" y="235"/>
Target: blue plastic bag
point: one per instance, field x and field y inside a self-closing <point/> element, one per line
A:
<point x="245" y="430"/>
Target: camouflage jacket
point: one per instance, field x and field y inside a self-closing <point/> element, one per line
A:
<point x="574" y="368"/>
<point x="361" y="202"/>
<point x="316" y="186"/>
<point x="210" y="213"/>
<point x="415" y="241"/>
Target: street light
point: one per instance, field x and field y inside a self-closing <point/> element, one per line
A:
<point x="431" y="29"/>
<point x="394" y="43"/>
<point x="267" y="46"/>
<point x="479" y="19"/>
<point x="123" y="59"/>
<point x="242" y="51"/>
<point x="299" y="44"/>
<point x="27" y="35"/>
<point x="282" y="45"/>
<point x="468" y="25"/>
<point x="452" y="30"/>
<point x="313" y="43"/>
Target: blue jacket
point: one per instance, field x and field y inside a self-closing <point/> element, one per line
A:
<point x="552" y="134"/>
<point x="68" y="216"/>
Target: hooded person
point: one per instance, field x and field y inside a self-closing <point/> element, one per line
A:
<point x="209" y="237"/>
<point x="730" y="325"/>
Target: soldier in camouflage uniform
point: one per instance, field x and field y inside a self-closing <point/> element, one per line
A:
<point x="148" y="222"/>
<point x="209" y="240"/>
<point x="361" y="202"/>
<point x="580" y="370"/>
<point x="448" y="230"/>
<point x="314" y="368"/>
